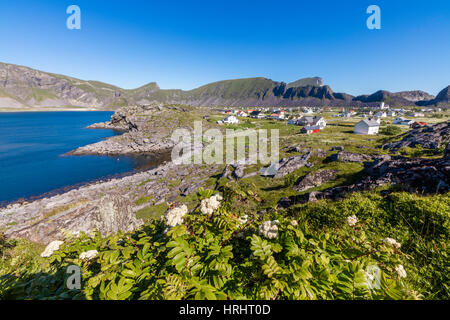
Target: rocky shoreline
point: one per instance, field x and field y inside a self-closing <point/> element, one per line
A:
<point x="106" y="206"/>
<point x="111" y="205"/>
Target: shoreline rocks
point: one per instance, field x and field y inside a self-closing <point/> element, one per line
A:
<point x="107" y="206"/>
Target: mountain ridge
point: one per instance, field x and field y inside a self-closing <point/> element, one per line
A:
<point x="24" y="87"/>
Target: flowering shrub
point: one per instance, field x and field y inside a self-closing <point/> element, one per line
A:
<point x="174" y="217"/>
<point x="217" y="256"/>
<point x="208" y="206"/>
<point x="392" y="242"/>
<point x="88" y="255"/>
<point x="269" y="229"/>
<point x="51" y="247"/>
<point x="352" y="220"/>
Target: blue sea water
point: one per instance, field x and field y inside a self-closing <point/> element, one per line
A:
<point x="32" y="148"/>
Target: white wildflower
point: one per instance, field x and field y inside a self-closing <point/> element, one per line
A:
<point x="392" y="242"/>
<point x="243" y="220"/>
<point x="401" y="271"/>
<point x="174" y="217"/>
<point x="369" y="277"/>
<point x="352" y="220"/>
<point x="50" y="248"/>
<point x="269" y="229"/>
<point x="294" y="223"/>
<point x="208" y="206"/>
<point x="88" y="255"/>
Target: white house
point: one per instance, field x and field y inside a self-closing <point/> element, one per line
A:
<point x="416" y="114"/>
<point x="312" y="121"/>
<point x="391" y="113"/>
<point x="384" y="106"/>
<point x="381" y="114"/>
<point x="406" y="122"/>
<point x="398" y="120"/>
<point x="277" y="116"/>
<point x="308" y="111"/>
<point x="367" y="127"/>
<point x="241" y="113"/>
<point x="229" y="120"/>
<point x="257" y="114"/>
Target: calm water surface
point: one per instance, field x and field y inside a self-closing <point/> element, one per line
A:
<point x="32" y="145"/>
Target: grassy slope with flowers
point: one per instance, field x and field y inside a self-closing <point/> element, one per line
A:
<point x="313" y="251"/>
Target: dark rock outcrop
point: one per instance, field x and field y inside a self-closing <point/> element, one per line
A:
<point x="238" y="172"/>
<point x="315" y="179"/>
<point x="345" y="156"/>
<point x="423" y="176"/>
<point x="442" y="99"/>
<point x="286" y="166"/>
<point x="429" y="137"/>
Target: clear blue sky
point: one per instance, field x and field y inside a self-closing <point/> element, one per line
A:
<point x="185" y="44"/>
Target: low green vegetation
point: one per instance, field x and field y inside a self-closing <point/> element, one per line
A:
<point x="391" y="130"/>
<point x="152" y="212"/>
<point x="313" y="253"/>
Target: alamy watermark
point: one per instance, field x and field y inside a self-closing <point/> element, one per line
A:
<point x="74" y="20"/>
<point x="212" y="147"/>
<point x="73" y="281"/>
<point x="373" y="277"/>
<point x="374" y="20"/>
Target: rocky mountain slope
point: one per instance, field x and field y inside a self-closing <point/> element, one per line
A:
<point x="23" y="87"/>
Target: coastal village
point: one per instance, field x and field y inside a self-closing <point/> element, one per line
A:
<point x="314" y="119"/>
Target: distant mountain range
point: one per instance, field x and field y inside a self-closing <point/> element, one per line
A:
<point x="23" y="87"/>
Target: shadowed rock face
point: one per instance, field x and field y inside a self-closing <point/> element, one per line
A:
<point x="442" y="99"/>
<point x="432" y="137"/>
<point x="110" y="215"/>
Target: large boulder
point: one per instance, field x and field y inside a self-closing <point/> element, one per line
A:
<point x="345" y="156"/>
<point x="315" y="179"/>
<point x="109" y="215"/>
<point x="286" y="166"/>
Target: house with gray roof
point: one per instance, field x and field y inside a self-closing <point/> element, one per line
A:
<point x="367" y="126"/>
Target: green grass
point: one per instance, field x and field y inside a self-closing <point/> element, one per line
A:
<point x="150" y="213"/>
<point x="142" y="200"/>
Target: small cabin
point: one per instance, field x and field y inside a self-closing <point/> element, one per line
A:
<point x="367" y="127"/>
<point x="310" y="129"/>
